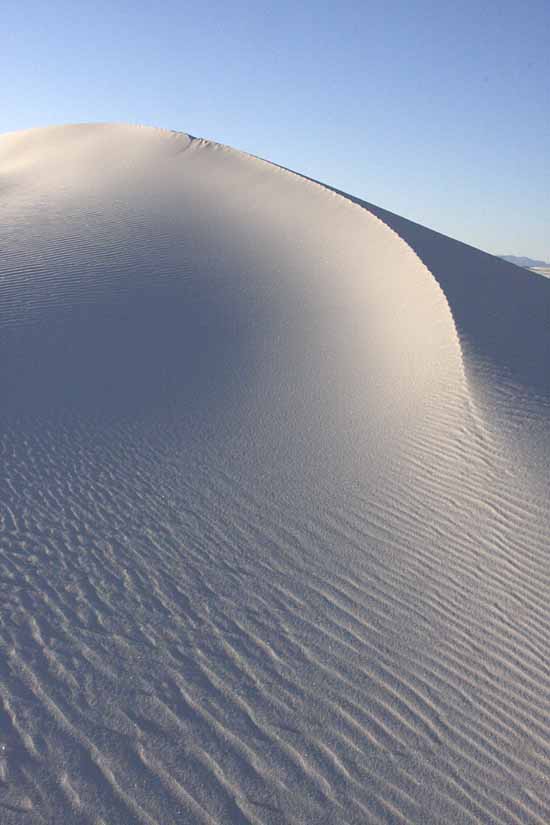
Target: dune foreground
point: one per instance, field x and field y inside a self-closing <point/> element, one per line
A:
<point x="274" y="499"/>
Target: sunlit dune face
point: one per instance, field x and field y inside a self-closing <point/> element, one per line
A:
<point x="168" y="270"/>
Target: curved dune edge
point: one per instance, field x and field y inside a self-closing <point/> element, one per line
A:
<point x="501" y="317"/>
<point x="489" y="299"/>
<point x="262" y="559"/>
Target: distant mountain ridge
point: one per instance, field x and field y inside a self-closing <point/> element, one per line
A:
<point x="527" y="263"/>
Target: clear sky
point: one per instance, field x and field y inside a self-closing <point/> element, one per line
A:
<point x="439" y="111"/>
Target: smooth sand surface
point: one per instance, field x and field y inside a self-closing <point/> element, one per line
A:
<point x="274" y="529"/>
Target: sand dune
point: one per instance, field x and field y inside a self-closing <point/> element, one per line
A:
<point x="541" y="270"/>
<point x="274" y="501"/>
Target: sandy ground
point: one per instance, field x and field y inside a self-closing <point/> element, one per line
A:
<point x="274" y="499"/>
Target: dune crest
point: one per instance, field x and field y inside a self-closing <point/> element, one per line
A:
<point x="273" y="527"/>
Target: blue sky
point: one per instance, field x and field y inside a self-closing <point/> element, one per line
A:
<point x="439" y="111"/>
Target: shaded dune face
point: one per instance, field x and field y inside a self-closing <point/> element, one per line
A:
<point x="172" y="273"/>
<point x="502" y="312"/>
<point x="273" y="502"/>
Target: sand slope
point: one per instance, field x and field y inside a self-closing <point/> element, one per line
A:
<point x="274" y="524"/>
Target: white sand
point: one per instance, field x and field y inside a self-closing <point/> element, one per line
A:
<point x="274" y="501"/>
